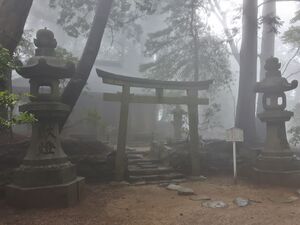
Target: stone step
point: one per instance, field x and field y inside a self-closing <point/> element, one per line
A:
<point x="144" y="165"/>
<point x="150" y="171"/>
<point x="134" y="154"/>
<point x="162" y="183"/>
<point x="141" y="161"/>
<point x="147" y="166"/>
<point x="159" y="178"/>
<point x="134" y="157"/>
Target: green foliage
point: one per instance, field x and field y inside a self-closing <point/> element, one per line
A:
<point x="292" y="35"/>
<point x="296" y="17"/>
<point x="9" y="101"/>
<point x="6" y="64"/>
<point x="294" y="131"/>
<point x="25" y="48"/>
<point x="209" y="116"/>
<point x="94" y="119"/>
<point x="75" y="16"/>
<point x="65" y="55"/>
<point x="295" y="135"/>
<point x="173" y="48"/>
<point x="274" y="22"/>
<point x="93" y="116"/>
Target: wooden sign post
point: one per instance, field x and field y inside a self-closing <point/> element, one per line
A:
<point x="234" y="135"/>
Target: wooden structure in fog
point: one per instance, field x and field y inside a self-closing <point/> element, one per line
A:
<point x="191" y="99"/>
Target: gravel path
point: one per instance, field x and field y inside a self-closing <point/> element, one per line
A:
<point x="152" y="205"/>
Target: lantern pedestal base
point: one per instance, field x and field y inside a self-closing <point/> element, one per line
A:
<point x="281" y="169"/>
<point x="52" y="196"/>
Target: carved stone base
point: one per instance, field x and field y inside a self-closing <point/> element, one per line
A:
<point x="45" y="175"/>
<point x="277" y="169"/>
<point x="53" y="196"/>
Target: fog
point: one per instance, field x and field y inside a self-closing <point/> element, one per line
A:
<point x="122" y="55"/>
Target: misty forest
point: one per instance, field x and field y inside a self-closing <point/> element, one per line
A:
<point x="149" y="112"/>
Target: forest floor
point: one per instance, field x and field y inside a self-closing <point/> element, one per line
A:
<point x="121" y="204"/>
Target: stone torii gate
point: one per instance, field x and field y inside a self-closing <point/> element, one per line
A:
<point x="191" y="100"/>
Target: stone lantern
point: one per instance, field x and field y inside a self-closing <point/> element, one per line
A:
<point x="46" y="178"/>
<point x="276" y="164"/>
<point x="178" y="114"/>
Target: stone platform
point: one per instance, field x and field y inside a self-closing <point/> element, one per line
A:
<point x="56" y="196"/>
<point x="282" y="170"/>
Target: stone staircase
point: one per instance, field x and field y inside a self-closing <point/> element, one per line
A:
<point x="146" y="170"/>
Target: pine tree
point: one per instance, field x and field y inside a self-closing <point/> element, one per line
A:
<point x="186" y="49"/>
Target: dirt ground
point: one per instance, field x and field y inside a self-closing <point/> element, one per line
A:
<point x="114" y="204"/>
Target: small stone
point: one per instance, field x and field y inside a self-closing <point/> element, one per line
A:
<point x="214" y="204"/>
<point x="173" y="187"/>
<point x="241" y="202"/>
<point x="180" y="190"/>
<point x="124" y="183"/>
<point x="163" y="184"/>
<point x="200" y="198"/>
<point x="185" y="191"/>
<point x="298" y="191"/>
<point x="198" y="178"/>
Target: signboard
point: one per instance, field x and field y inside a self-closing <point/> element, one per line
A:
<point x="234" y="135"/>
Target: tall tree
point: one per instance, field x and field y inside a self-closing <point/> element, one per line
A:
<point x="87" y="60"/>
<point x="186" y="50"/>
<point x="245" y="118"/>
<point x="269" y="22"/>
<point x="13" y="16"/>
<point x="230" y="32"/>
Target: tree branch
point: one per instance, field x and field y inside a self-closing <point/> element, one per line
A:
<point x="292" y="74"/>
<point x="259" y="5"/>
<point x="290" y="60"/>
<point x="221" y="16"/>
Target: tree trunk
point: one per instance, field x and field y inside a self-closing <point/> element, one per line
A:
<point x="267" y="50"/>
<point x="13" y="15"/>
<point x="89" y="55"/>
<point x="195" y="37"/>
<point x="193" y="108"/>
<point x="245" y="118"/>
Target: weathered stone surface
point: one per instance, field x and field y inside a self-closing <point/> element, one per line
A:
<point x="46" y="177"/>
<point x="276" y="164"/>
<point x="185" y="191"/>
<point x="214" y="204"/>
<point x="54" y="196"/>
<point x="180" y="189"/>
<point x="173" y="187"/>
<point x="241" y="202"/>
